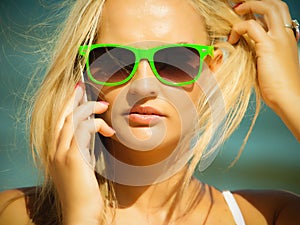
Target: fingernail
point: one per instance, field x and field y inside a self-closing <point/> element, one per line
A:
<point x="78" y="84"/>
<point x="228" y="38"/>
<point x="237" y="5"/>
<point x="110" y="132"/>
<point x="113" y="130"/>
<point x="103" y="102"/>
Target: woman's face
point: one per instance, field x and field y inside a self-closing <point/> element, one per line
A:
<point x="150" y="118"/>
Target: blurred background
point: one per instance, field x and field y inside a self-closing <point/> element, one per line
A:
<point x="270" y="160"/>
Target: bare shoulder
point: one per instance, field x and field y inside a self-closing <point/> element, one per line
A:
<point x="277" y="207"/>
<point x="13" y="208"/>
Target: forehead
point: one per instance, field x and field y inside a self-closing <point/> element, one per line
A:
<point x="133" y="21"/>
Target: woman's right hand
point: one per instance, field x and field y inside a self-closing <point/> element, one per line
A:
<point x="73" y="177"/>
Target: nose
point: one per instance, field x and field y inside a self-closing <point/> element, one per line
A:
<point x="144" y="83"/>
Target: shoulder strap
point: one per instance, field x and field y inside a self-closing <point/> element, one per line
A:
<point x="234" y="208"/>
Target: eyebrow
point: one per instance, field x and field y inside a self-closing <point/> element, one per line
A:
<point x="182" y="42"/>
<point x="158" y="43"/>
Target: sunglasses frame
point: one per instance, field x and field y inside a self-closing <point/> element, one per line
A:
<point x="147" y="54"/>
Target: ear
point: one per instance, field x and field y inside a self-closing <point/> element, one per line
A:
<point x="215" y="61"/>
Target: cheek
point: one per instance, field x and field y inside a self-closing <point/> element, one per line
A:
<point x="185" y="102"/>
<point x="194" y="93"/>
<point x="109" y="94"/>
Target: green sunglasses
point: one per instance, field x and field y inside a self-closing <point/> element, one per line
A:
<point x="172" y="64"/>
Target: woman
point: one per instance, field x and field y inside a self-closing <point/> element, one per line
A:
<point x="164" y="99"/>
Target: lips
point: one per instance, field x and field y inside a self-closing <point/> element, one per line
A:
<point x="145" y="110"/>
<point x="144" y="115"/>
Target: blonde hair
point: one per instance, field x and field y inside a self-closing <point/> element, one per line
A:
<point x="236" y="78"/>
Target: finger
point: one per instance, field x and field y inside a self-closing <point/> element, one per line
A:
<point x="87" y="109"/>
<point x="284" y="13"/>
<point x="82" y="112"/>
<point x="71" y="104"/>
<point x="287" y="19"/>
<point x="74" y="100"/>
<point x="282" y="7"/>
<point x="80" y="144"/>
<point x="250" y="27"/>
<point x="271" y="12"/>
<point x="88" y="128"/>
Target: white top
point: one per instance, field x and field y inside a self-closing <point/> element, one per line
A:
<point x="234" y="208"/>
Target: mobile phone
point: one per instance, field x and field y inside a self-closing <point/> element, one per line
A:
<point x="87" y="97"/>
<point x="96" y="155"/>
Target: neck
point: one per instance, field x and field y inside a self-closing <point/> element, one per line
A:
<point x="157" y="196"/>
<point x="160" y="203"/>
<point x="130" y="172"/>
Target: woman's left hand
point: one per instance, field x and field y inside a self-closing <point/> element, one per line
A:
<point x="278" y="70"/>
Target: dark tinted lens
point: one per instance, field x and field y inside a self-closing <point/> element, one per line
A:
<point x="111" y="64"/>
<point x="177" y="64"/>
